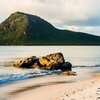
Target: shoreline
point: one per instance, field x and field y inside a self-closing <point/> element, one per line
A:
<point x="51" y="86"/>
<point x="88" y="89"/>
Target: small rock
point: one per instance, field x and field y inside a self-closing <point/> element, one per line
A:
<point x="68" y="73"/>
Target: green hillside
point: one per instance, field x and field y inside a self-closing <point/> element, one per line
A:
<point x="25" y="29"/>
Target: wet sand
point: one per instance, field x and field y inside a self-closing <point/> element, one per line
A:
<point x="88" y="89"/>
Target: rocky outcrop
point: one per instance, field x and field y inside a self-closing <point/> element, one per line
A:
<point x="53" y="61"/>
<point x="25" y="62"/>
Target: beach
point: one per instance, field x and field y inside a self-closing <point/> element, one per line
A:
<point x="37" y="84"/>
<point x="88" y="89"/>
<point x="54" y="87"/>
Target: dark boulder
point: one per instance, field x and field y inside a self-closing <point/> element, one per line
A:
<point x="67" y="66"/>
<point x="25" y="62"/>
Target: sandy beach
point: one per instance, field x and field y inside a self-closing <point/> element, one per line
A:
<point x="33" y="84"/>
<point x="55" y="88"/>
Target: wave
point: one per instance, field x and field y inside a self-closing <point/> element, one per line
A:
<point x="14" y="74"/>
<point x="86" y="66"/>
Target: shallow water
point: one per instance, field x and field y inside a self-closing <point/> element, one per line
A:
<point x="78" y="55"/>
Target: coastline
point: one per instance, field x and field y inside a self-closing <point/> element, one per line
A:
<point x="54" y="87"/>
<point x="88" y="89"/>
<point x="84" y="86"/>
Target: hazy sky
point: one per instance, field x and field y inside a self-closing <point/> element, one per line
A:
<point x="77" y="15"/>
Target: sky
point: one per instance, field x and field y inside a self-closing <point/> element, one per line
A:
<point x="75" y="15"/>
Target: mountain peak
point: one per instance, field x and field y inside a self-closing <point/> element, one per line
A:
<point x="18" y="12"/>
<point x="26" y="29"/>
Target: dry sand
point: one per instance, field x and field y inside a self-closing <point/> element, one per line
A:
<point x="88" y="89"/>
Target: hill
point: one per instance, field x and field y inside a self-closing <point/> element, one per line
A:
<point x="26" y="29"/>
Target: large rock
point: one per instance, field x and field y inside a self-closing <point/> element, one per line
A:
<point x="53" y="61"/>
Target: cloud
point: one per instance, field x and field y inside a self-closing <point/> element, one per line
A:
<point x="91" y="21"/>
<point x="72" y="28"/>
<point x="79" y="12"/>
<point x="10" y="6"/>
<point x="57" y="11"/>
<point x="95" y="30"/>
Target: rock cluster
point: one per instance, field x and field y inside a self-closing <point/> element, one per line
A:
<point x="53" y="61"/>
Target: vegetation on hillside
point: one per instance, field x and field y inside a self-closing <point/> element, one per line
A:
<point x="25" y="29"/>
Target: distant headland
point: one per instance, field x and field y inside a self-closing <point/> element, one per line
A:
<point x="26" y="29"/>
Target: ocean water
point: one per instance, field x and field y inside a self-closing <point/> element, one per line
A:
<point x="80" y="56"/>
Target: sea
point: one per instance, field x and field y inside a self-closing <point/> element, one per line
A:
<point x="85" y="59"/>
